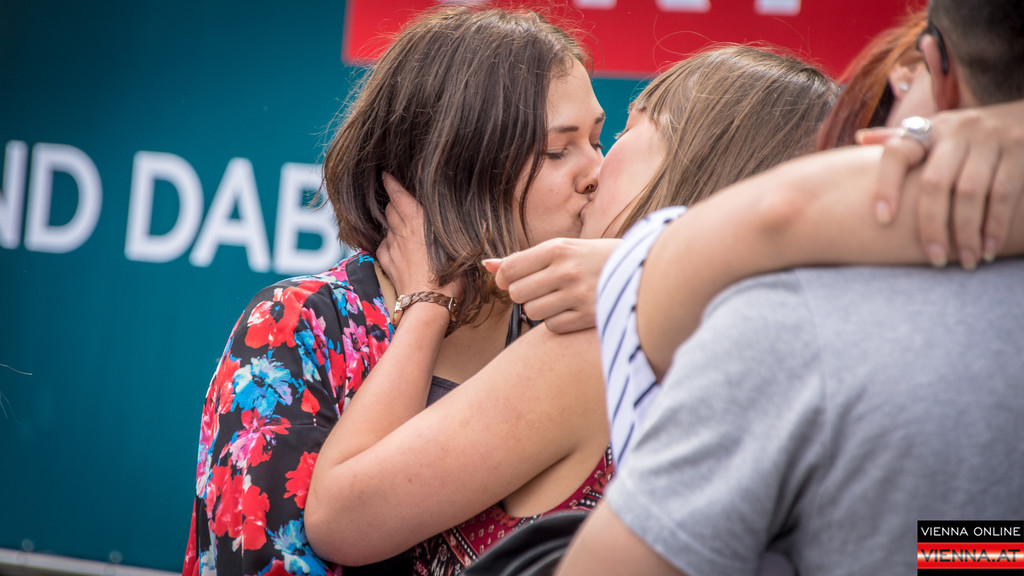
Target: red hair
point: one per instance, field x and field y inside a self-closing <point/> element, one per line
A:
<point x="866" y="97"/>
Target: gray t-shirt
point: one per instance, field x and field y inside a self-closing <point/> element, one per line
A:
<point x="820" y="413"/>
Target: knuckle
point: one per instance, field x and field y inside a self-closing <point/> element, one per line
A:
<point x="969" y="193"/>
<point x="514" y="293"/>
<point x="932" y="184"/>
<point x="560" y="246"/>
<point x="1002" y="193"/>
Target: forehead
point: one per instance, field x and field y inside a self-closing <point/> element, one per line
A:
<point x="571" y="98"/>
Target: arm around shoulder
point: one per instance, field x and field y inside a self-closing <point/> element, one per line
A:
<point x="815" y="210"/>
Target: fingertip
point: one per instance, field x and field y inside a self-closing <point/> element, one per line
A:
<point x="968" y="259"/>
<point x="492" y="264"/>
<point x="873" y="136"/>
<point x="388" y="181"/>
<point x="989" y="249"/>
<point x="937" y="255"/>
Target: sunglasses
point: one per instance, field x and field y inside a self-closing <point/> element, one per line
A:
<point x="933" y="31"/>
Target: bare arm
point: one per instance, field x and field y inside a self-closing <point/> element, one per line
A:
<point x="537" y="404"/>
<point x="813" y="210"/>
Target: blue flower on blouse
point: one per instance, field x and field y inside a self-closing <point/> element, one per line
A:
<point x="305" y="342"/>
<point x="265" y="384"/>
<point x="298" y="556"/>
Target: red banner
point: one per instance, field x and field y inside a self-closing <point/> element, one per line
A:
<point x="637" y="38"/>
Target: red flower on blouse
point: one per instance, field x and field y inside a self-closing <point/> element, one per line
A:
<point x="241" y="512"/>
<point x="272" y="322"/>
<point x="299" y="479"/>
<point x="375" y="316"/>
<point x="223" y="383"/>
<point x="309" y="402"/>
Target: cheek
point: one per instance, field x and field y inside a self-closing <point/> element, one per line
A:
<point x="616" y="183"/>
<point x="551" y="211"/>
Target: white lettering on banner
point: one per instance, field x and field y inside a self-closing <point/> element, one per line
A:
<point x="40" y="235"/>
<point x="12" y="195"/>
<point x="595" y="4"/>
<point x="237" y="189"/>
<point x="684" y="5"/>
<point x="777" y="7"/>
<point x="294" y="217"/>
<point x="147" y="168"/>
<point x="763" y="7"/>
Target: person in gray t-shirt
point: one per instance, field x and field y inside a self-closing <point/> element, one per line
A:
<point x="821" y="413"/>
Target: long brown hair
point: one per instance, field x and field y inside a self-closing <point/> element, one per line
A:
<point x="727" y="114"/>
<point x="456" y="110"/>
<point x="867" y="98"/>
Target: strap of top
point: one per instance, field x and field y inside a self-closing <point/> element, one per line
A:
<point x="515" y="323"/>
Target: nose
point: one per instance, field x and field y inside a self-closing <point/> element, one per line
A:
<point x="588" y="175"/>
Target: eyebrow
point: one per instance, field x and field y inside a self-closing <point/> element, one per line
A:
<point x="573" y="128"/>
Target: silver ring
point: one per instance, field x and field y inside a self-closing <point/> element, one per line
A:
<point x="917" y="128"/>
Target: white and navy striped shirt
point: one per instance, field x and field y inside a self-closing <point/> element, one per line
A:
<point x="630" y="385"/>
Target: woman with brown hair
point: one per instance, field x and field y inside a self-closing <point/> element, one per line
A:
<point x="519" y="155"/>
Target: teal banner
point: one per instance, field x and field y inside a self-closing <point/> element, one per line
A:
<point x="158" y="160"/>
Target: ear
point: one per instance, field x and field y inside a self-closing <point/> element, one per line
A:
<point x="900" y="79"/>
<point x="945" y="87"/>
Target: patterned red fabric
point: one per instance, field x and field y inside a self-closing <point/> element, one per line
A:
<point x="296" y="356"/>
<point x="448" y="553"/>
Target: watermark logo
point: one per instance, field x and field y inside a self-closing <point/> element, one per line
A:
<point x="958" y="547"/>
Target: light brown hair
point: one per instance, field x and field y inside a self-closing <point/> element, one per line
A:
<point x="727" y="114"/>
<point x="456" y="110"/>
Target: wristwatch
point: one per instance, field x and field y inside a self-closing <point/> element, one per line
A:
<point x="405" y="301"/>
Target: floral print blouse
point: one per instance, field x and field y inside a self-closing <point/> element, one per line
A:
<point x="296" y="356"/>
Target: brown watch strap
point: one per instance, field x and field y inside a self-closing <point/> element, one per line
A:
<point x="405" y="301"/>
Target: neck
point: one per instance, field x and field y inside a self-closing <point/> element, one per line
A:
<point x="472" y="346"/>
<point x="468" y="349"/>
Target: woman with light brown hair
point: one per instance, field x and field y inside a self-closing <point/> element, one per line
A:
<point x="726" y="114"/>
